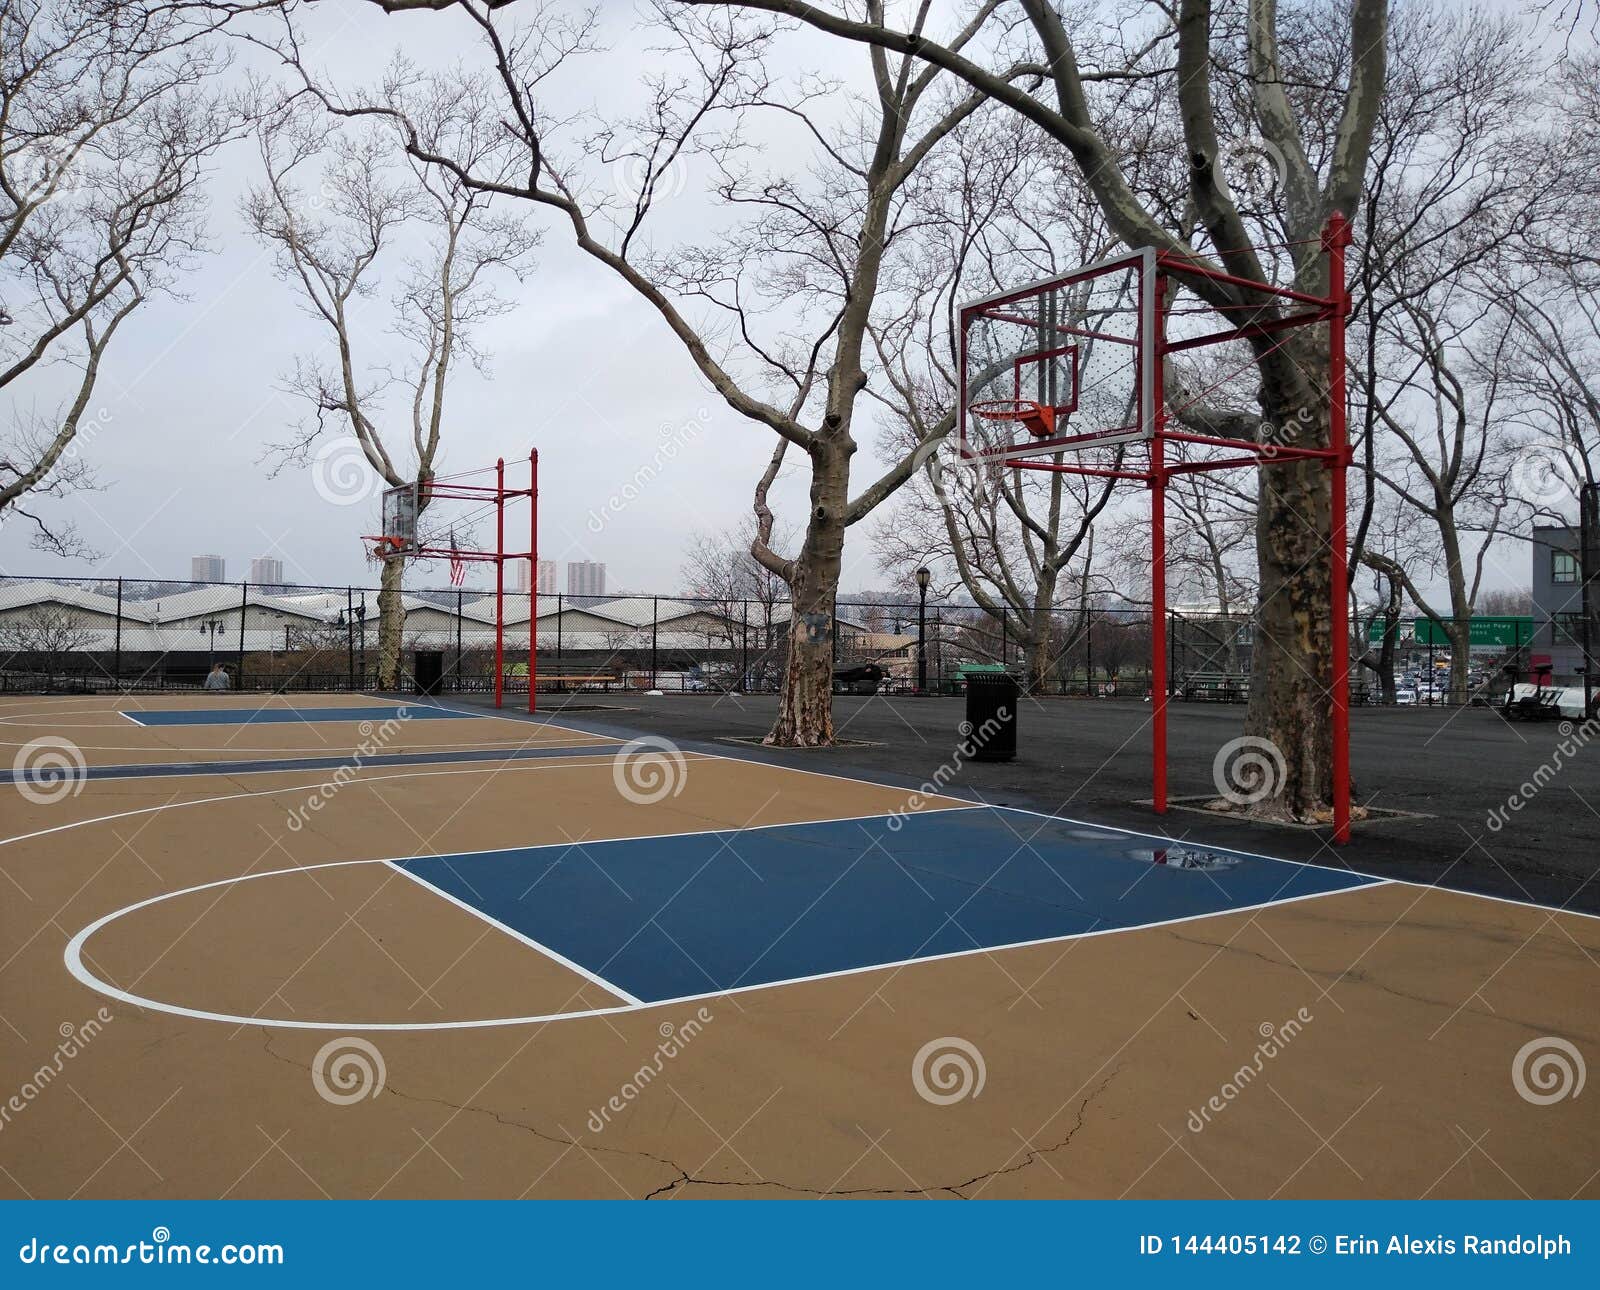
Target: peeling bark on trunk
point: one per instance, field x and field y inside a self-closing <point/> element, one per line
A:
<point x="1039" y="636"/>
<point x="1292" y="661"/>
<point x="1038" y="662"/>
<point x="391" y="623"/>
<point x="805" y="707"/>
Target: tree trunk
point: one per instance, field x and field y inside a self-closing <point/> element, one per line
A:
<point x="1291" y="662"/>
<point x="805" y="707"/>
<point x="1391" y="631"/>
<point x="391" y="623"/>
<point x="1460" y="658"/>
<point x="1039" y="634"/>
<point x="1039" y="659"/>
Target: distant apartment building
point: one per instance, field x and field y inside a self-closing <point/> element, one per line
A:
<point x="547" y="577"/>
<point x="207" y="568"/>
<point x="266" y="571"/>
<point x="586" y="578"/>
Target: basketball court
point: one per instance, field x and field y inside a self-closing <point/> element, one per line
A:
<point x="356" y="947"/>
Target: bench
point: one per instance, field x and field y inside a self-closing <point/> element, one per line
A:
<point x="1216" y="687"/>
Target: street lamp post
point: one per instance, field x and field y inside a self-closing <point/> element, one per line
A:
<point x="923" y="578"/>
<point x="212" y="628"/>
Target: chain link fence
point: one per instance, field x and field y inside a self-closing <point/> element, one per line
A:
<point x="61" y="635"/>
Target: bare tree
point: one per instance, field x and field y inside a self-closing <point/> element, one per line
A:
<point x="398" y="263"/>
<point x="1506" y="602"/>
<point x="721" y="575"/>
<point x="820" y="240"/>
<point x="1016" y="542"/>
<point x="44" y="638"/>
<point x="1320" y="133"/>
<point x="1446" y="469"/>
<point x="1459" y="178"/>
<point x="106" y="123"/>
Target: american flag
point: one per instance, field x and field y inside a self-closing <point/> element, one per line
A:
<point x="458" y="566"/>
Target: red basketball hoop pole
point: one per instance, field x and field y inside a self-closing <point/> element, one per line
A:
<point x="1335" y="239"/>
<point x="1158" y="563"/>
<point x="533" y="579"/>
<point x="499" y="578"/>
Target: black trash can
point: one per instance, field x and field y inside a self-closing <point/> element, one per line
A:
<point x="428" y="670"/>
<point x="992" y="715"/>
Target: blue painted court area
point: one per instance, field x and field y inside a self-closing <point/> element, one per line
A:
<point x="283" y="765"/>
<point x="279" y="716"/>
<point x="680" y="915"/>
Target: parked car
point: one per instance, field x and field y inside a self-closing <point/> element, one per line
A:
<point x="862" y="679"/>
<point x="1405" y="697"/>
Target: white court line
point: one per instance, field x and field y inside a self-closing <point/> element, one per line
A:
<point x="73" y="960"/>
<point x="126" y="716"/>
<point x="570" y="964"/>
<point x="487" y="768"/>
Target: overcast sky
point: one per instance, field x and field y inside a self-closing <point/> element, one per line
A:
<point x="581" y="368"/>
<point x="190" y="394"/>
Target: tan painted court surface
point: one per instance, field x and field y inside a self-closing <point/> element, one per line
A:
<point x="1363" y="1043"/>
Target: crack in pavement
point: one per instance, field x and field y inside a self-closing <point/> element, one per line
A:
<point x="685" y="1178"/>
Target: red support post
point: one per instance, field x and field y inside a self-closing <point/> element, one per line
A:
<point x="499" y="577"/>
<point x="533" y="579"/>
<point x="1335" y="239"/>
<point x="1158" y="561"/>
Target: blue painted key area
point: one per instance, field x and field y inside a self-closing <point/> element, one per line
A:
<point x="683" y="915"/>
